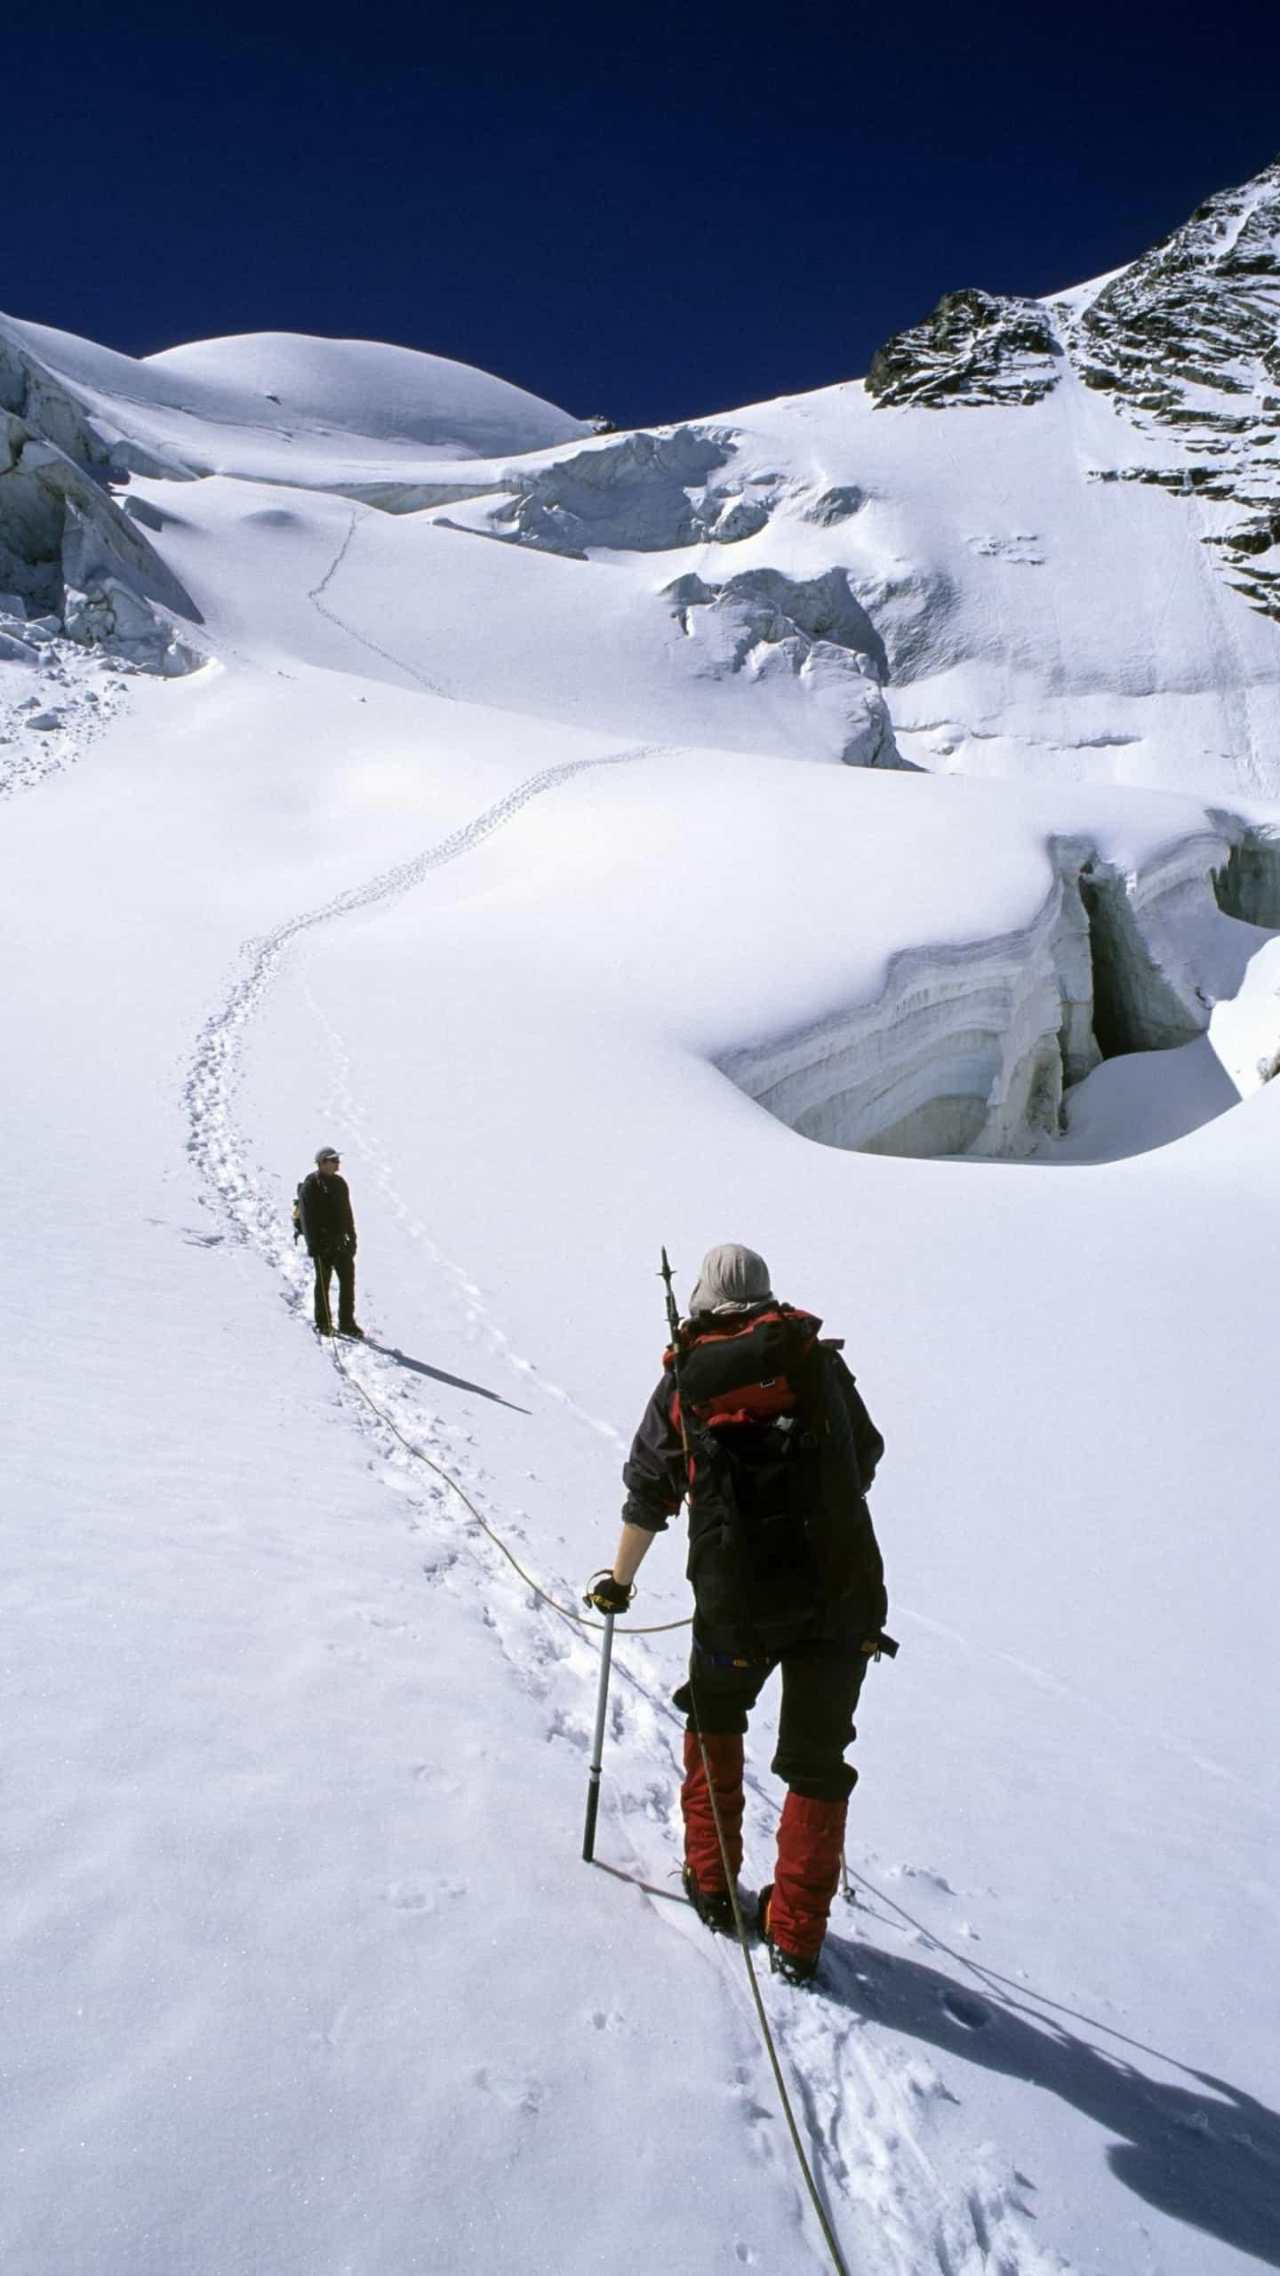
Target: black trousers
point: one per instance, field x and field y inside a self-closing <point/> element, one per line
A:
<point x="344" y="1264"/>
<point x="821" y="1681"/>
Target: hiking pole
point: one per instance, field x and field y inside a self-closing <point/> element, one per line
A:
<point x="606" y="1649"/>
<point x="597" y="1744"/>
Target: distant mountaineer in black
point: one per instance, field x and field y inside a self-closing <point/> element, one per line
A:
<point x="329" y="1230"/>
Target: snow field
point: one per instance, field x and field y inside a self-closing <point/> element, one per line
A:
<point x="51" y="712"/>
<point x="466" y="858"/>
<point x="598" y="1173"/>
<point x="203" y="1684"/>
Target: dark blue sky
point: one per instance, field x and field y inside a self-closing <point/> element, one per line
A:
<point x="647" y="211"/>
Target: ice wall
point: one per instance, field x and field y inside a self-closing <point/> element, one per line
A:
<point x="70" y="559"/>
<point x="812" y="631"/>
<point x="1248" y="884"/>
<point x="973" y="1049"/>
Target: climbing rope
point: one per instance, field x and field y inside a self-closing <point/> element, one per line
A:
<point x="566" y="1611"/>
<point x="661" y="1628"/>
<point x="830" y="2238"/>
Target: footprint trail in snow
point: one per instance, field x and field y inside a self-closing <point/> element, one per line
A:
<point x="868" y="2106"/>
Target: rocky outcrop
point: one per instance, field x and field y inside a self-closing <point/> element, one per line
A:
<point x="68" y="554"/>
<point x="815" y="631"/>
<point x="1187" y="343"/>
<point x="975" y="348"/>
<point x="974" y="1049"/>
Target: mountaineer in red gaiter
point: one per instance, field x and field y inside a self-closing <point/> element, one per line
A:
<point x="767" y="1439"/>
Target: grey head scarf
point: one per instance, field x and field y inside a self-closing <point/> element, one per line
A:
<point x="731" y="1279"/>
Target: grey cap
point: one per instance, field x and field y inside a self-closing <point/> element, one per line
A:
<point x="731" y="1278"/>
<point x="327" y="1154"/>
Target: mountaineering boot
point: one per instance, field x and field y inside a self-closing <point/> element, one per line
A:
<point x="714" y="1907"/>
<point x="788" y="1965"/>
<point x="349" y="1328"/>
<point x="704" y="1865"/>
<point x="792" y="1968"/>
<point x="793" y="1912"/>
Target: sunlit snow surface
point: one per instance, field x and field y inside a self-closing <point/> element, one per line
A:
<point x="466" y="853"/>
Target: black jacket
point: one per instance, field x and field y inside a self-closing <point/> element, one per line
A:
<point x="328" y="1226"/>
<point x="657" y="1482"/>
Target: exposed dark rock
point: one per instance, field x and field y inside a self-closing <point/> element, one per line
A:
<point x="1187" y="340"/>
<point x="975" y="348"/>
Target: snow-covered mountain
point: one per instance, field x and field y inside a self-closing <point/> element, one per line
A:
<point x="1183" y="342"/>
<point x="609" y="840"/>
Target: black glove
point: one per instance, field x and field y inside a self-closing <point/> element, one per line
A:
<point x="873" y="1646"/>
<point x="608" y="1595"/>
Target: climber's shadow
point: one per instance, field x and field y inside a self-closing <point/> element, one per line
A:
<point x="438" y="1375"/>
<point x="1204" y="2153"/>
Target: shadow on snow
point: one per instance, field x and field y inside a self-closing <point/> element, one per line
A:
<point x="438" y="1375"/>
<point x="1207" y="2154"/>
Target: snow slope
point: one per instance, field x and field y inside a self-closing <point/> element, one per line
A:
<point x="536" y="885"/>
<point x="279" y="405"/>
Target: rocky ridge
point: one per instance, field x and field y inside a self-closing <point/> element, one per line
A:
<point x="975" y="347"/>
<point x="1185" y="341"/>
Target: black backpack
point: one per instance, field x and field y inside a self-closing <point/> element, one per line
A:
<point x="775" y="1500"/>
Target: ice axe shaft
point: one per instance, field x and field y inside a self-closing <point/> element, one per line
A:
<point x="597" y="1744"/>
<point x="666" y="1276"/>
